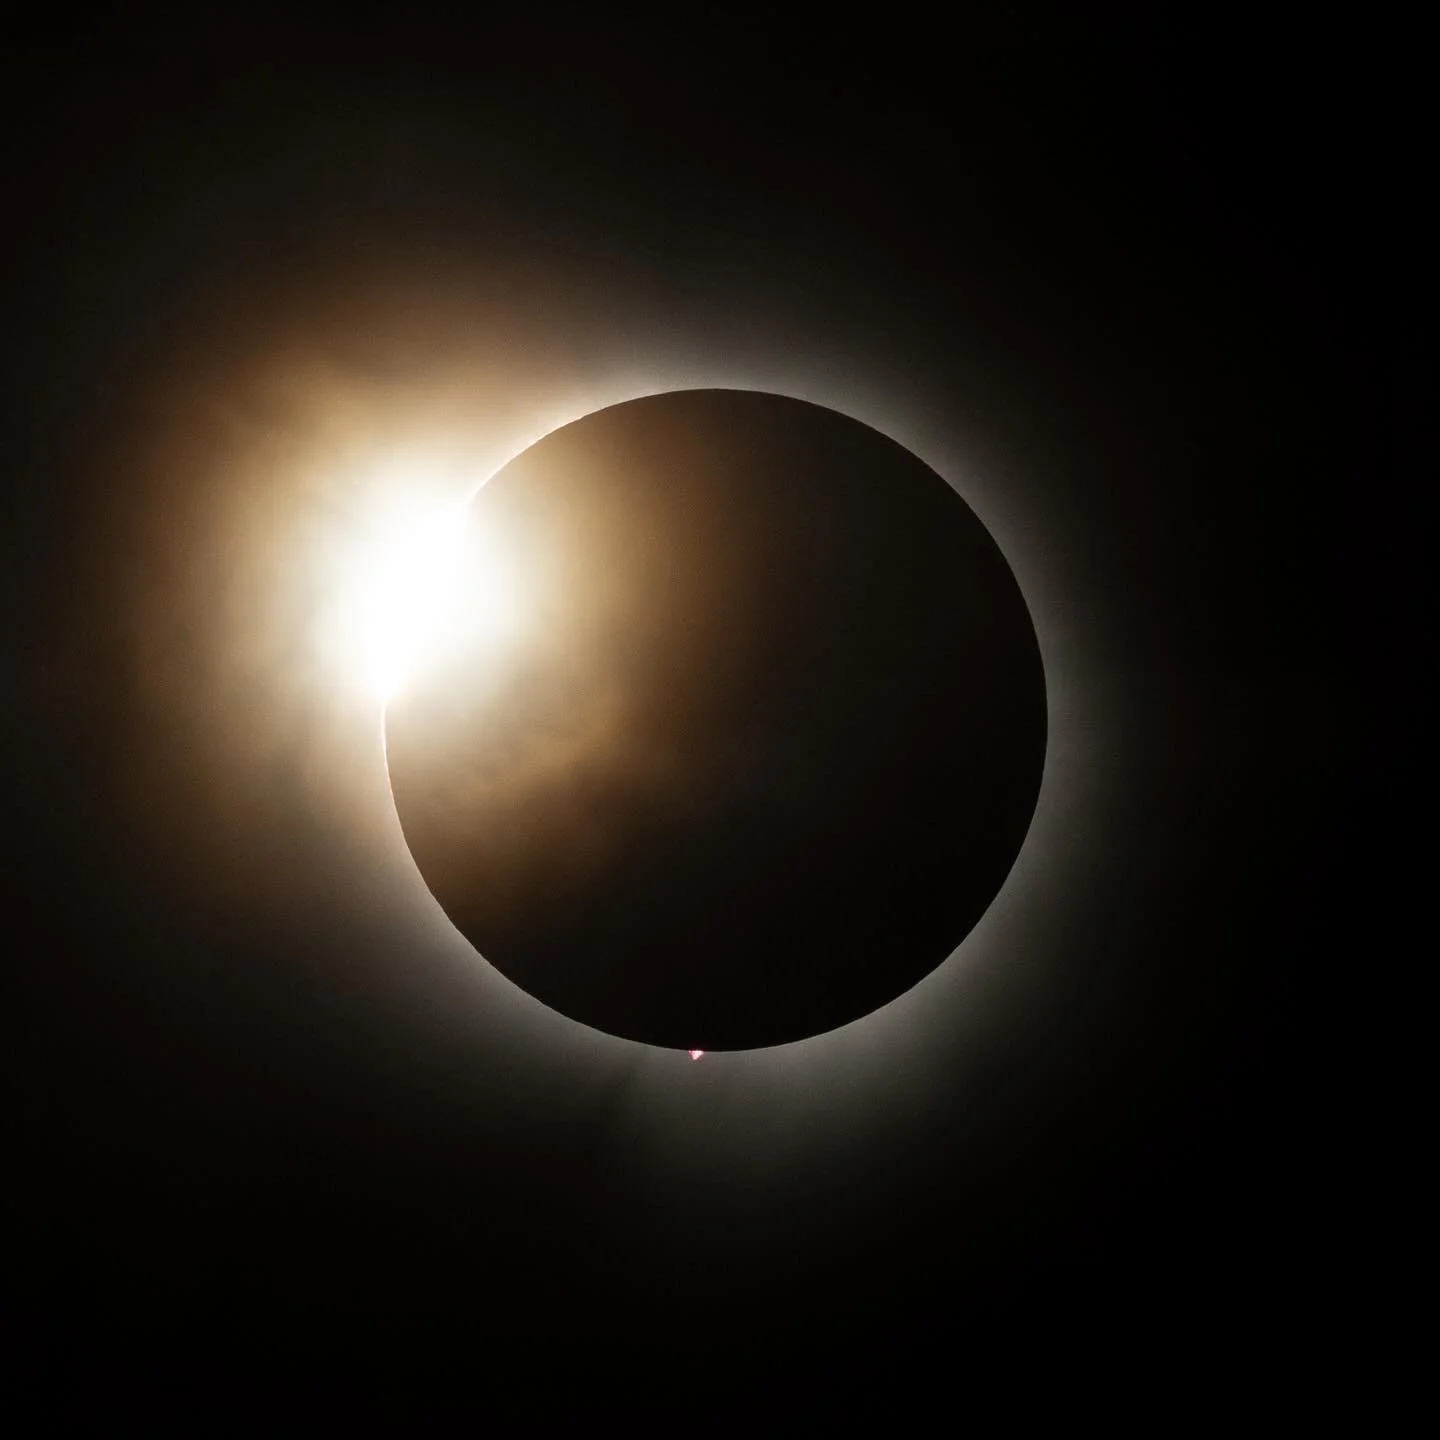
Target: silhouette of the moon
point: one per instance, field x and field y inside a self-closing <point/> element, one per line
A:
<point x="764" y="748"/>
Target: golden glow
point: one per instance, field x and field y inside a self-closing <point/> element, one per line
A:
<point x="411" y="580"/>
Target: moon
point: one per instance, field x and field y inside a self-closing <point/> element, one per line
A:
<point x="767" y="745"/>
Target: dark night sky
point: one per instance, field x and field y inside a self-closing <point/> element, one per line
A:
<point x="267" y="1123"/>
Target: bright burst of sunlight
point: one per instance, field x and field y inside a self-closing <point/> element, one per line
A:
<point x="410" y="579"/>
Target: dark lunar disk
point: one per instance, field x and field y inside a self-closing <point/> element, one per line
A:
<point x="768" y="744"/>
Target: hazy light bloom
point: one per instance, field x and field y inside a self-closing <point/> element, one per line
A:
<point x="411" y="579"/>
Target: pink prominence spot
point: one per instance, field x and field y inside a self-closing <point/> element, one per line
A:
<point x="696" y="1054"/>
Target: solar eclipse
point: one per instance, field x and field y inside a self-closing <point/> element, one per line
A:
<point x="769" y="746"/>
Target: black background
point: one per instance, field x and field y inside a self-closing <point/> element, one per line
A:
<point x="1156" y="269"/>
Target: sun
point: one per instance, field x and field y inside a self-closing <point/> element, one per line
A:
<point x="410" y="581"/>
<point x="409" y="589"/>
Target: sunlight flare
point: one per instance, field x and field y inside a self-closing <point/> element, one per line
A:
<point x="411" y="581"/>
